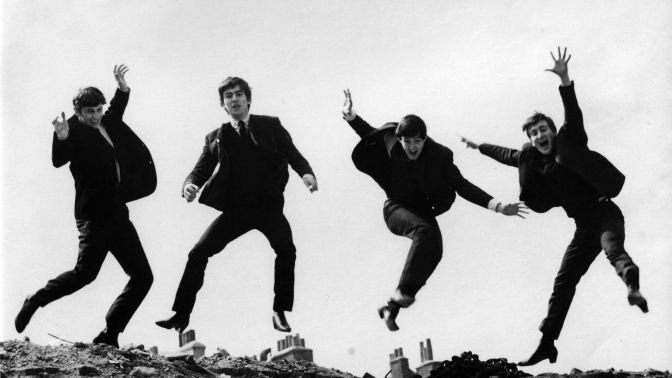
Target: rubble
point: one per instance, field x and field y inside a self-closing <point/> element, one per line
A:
<point x="24" y="359"/>
<point x="469" y="365"/>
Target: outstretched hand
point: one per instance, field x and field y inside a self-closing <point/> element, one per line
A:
<point x="61" y="128"/>
<point x="119" y="73"/>
<point x="515" y="208"/>
<point x="470" y="143"/>
<point x="347" y="105"/>
<point x="560" y="66"/>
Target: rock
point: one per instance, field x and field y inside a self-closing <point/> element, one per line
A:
<point x="81" y="345"/>
<point x="100" y="361"/>
<point x="575" y="371"/>
<point x="35" y="371"/>
<point x="650" y="372"/>
<point x="143" y="372"/>
<point x="182" y="357"/>
<point x="26" y="339"/>
<point x="598" y="374"/>
<point x="88" y="371"/>
<point x="140" y="352"/>
<point x="4" y="355"/>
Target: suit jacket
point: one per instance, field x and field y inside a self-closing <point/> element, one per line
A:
<point x="276" y="146"/>
<point x="440" y="179"/>
<point x="92" y="162"/>
<point x="571" y="151"/>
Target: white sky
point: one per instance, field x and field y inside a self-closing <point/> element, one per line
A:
<point x="471" y="68"/>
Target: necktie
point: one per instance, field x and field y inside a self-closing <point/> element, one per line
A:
<point x="243" y="130"/>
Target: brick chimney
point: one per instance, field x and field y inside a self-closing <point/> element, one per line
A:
<point x="399" y="365"/>
<point x="293" y="348"/>
<point x="427" y="360"/>
<point x="189" y="345"/>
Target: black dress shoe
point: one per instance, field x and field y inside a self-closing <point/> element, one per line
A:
<point x="636" y="298"/>
<point x="389" y="314"/>
<point x="179" y="321"/>
<point x="27" y="311"/>
<point x="280" y="322"/>
<point x="545" y="350"/>
<point x="107" y="337"/>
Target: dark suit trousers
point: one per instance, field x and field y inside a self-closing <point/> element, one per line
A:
<point x="601" y="228"/>
<point x="426" y="246"/>
<point x="230" y="225"/>
<point x="117" y="235"/>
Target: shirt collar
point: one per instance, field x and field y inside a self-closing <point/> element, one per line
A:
<point x="235" y="123"/>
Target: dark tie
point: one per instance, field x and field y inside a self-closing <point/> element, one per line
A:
<point x="243" y="130"/>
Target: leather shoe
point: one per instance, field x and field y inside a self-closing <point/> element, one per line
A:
<point x="545" y="350"/>
<point x="280" y="322"/>
<point x="389" y="314"/>
<point x="179" y="322"/>
<point x="107" y="337"/>
<point x="636" y="298"/>
<point x="27" y="310"/>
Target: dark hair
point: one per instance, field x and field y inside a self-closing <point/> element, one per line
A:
<point x="411" y="126"/>
<point x="536" y="117"/>
<point x="86" y="97"/>
<point x="231" y="82"/>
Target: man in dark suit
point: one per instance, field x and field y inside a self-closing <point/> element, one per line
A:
<point x="111" y="166"/>
<point x="420" y="181"/>
<point x="253" y="153"/>
<point x="557" y="169"/>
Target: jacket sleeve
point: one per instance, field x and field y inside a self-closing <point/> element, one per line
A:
<point x="285" y="146"/>
<point x="204" y="167"/>
<point x="118" y="104"/>
<point x="573" y="116"/>
<point x="62" y="151"/>
<point x="361" y="127"/>
<point x="503" y="155"/>
<point x="462" y="186"/>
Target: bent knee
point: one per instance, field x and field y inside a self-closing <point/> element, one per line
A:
<point x="144" y="280"/>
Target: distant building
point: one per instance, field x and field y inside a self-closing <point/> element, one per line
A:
<point x="293" y="348"/>
<point x="189" y="345"/>
<point x="399" y="364"/>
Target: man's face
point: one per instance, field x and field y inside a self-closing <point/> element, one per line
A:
<point x="413" y="146"/>
<point x="542" y="136"/>
<point x="90" y="115"/>
<point x="235" y="103"/>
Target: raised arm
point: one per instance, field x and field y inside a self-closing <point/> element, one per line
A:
<point x="62" y="145"/>
<point x="573" y="115"/>
<point x="361" y="127"/>
<point x="120" y="99"/>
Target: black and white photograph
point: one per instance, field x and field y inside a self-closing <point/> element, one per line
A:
<point x="384" y="188"/>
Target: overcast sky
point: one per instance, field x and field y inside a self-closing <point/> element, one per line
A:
<point x="476" y="69"/>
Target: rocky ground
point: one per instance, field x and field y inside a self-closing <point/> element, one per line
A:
<point x="24" y="359"/>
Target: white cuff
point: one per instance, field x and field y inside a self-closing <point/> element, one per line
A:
<point x="492" y="205"/>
